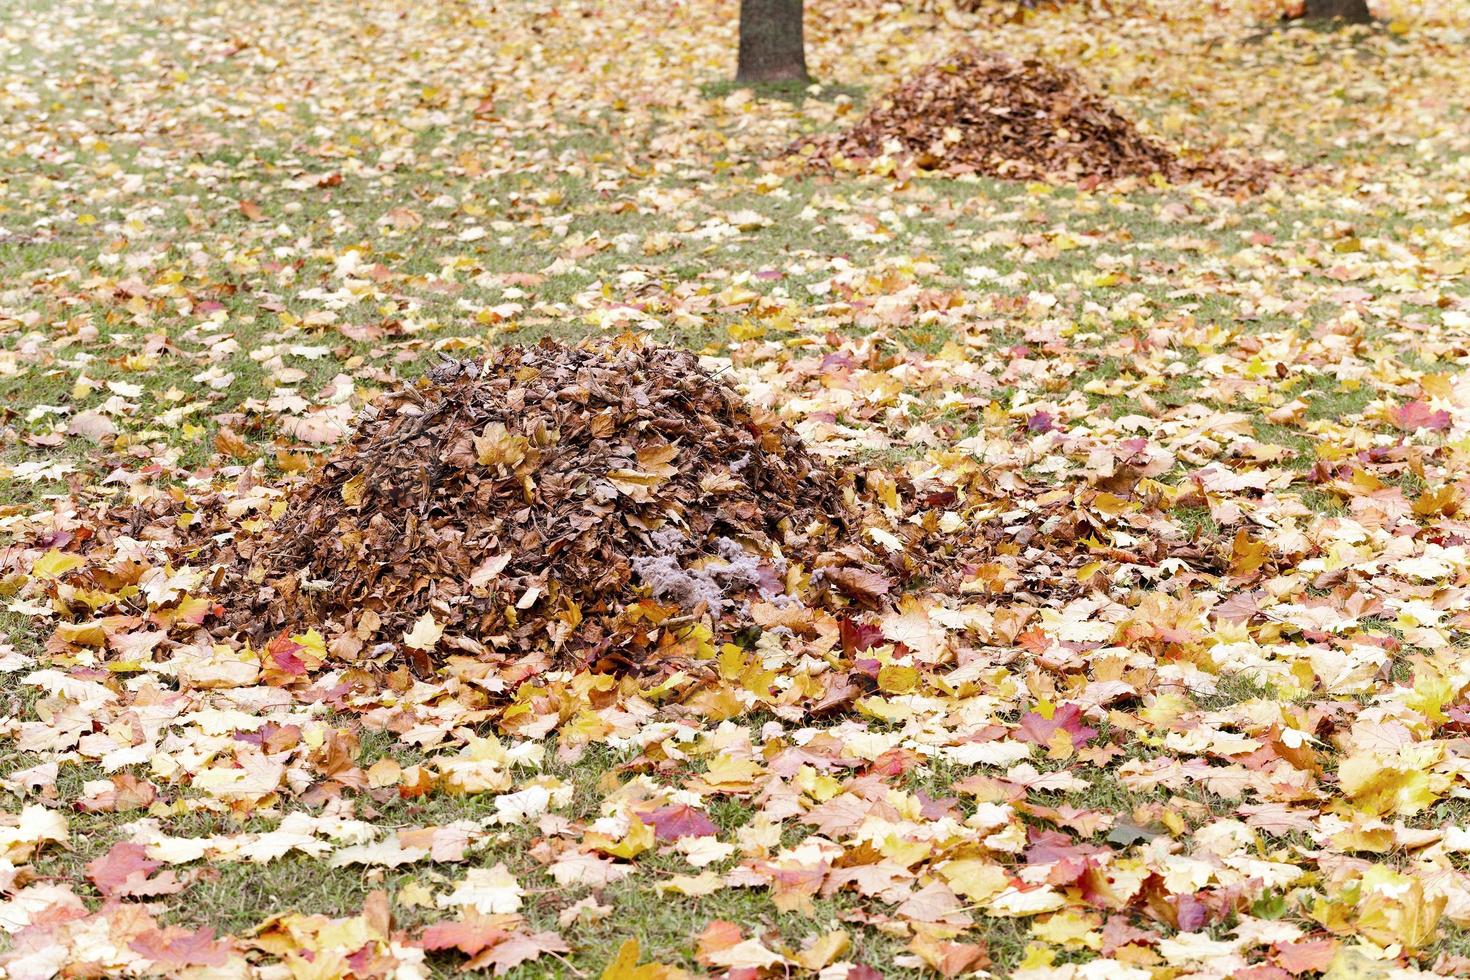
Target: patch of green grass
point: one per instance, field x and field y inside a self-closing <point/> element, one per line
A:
<point x="1335" y="402"/>
<point x="1322" y="502"/>
<point x="1197" y="522"/>
<point x="785" y="91"/>
<point x="1378" y="624"/>
<point x="1233" y="688"/>
<point x="1303" y="447"/>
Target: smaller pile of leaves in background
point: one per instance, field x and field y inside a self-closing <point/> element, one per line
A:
<point x="547" y="497"/>
<point x="982" y="112"/>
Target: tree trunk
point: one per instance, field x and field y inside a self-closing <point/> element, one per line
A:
<point x="1351" y="11"/>
<point x="771" y="45"/>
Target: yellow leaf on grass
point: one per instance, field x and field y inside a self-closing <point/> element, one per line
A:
<point x="34" y="828"/>
<point x="695" y="886"/>
<point x="884" y="710"/>
<point x="1020" y="903"/>
<point x="1399" y="784"/>
<point x="728" y="773"/>
<point x="1351" y="963"/>
<point x="1432" y="691"/>
<point x="824" y="949"/>
<point x="975" y="879"/>
<point x="904" y="852"/>
<point x="1394" y="909"/>
<point x="311" y="642"/>
<point x="472" y="775"/>
<point x="90" y="634"/>
<point x="1069" y="929"/>
<point x="53" y="564"/>
<point x="897" y="679"/>
<point x="1038" y="957"/>
<point x="625" y="966"/>
<point x="384" y="772"/>
<point x="489" y="891"/>
<point x="414" y="895"/>
<point x="638" y="839"/>
<point x="256" y="776"/>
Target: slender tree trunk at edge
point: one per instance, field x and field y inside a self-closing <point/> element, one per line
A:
<point x="1349" y="11"/>
<point x="771" y="44"/>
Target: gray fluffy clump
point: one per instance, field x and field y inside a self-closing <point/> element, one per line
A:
<point x="666" y="579"/>
<point x="667" y="539"/>
<point x="690" y="588"/>
<point x="741" y="567"/>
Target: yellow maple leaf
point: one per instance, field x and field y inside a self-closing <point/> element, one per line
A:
<point x="1394" y="909"/>
<point x="425" y="633"/>
<point x="913" y="628"/>
<point x="352" y="490"/>
<point x="824" y="949"/>
<point x="625" y="966"/>
<point x="1069" y="929"/>
<point x="497" y="446"/>
<point x="974" y="878"/>
<point x="1432" y="691"/>
<point x="897" y="679"/>
<point x="638" y="839"/>
<point x="727" y="773"/>
<point x="1399" y="784"/>
<point x="53" y="564"/>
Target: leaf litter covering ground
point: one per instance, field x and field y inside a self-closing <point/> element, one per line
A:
<point x="1195" y="707"/>
<point x="984" y="112"/>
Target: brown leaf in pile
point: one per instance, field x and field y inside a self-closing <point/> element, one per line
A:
<point x="859" y="583"/>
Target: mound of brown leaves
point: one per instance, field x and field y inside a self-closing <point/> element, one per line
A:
<point x="986" y="113"/>
<point x="546" y="497"/>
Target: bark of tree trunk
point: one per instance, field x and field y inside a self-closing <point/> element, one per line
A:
<point x="1351" y="11"/>
<point x="771" y="44"/>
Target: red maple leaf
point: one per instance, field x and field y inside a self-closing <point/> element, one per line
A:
<point x="519" y="948"/>
<point x="718" y="935"/>
<point x="1306" y="955"/>
<point x="680" y="820"/>
<point x="1261" y="971"/>
<point x="1038" y="729"/>
<point x="1192" y="914"/>
<point x="857" y="637"/>
<point x="1238" y="608"/>
<point x="469" y="935"/>
<point x="1416" y="415"/>
<point x="175" y="948"/>
<point x="283" y="654"/>
<point x="123" y="872"/>
<point x="1040" y="422"/>
<point x="1119" y="933"/>
<point x="128" y="792"/>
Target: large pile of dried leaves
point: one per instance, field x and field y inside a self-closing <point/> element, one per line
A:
<point x="987" y="113"/>
<point x="540" y="498"/>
